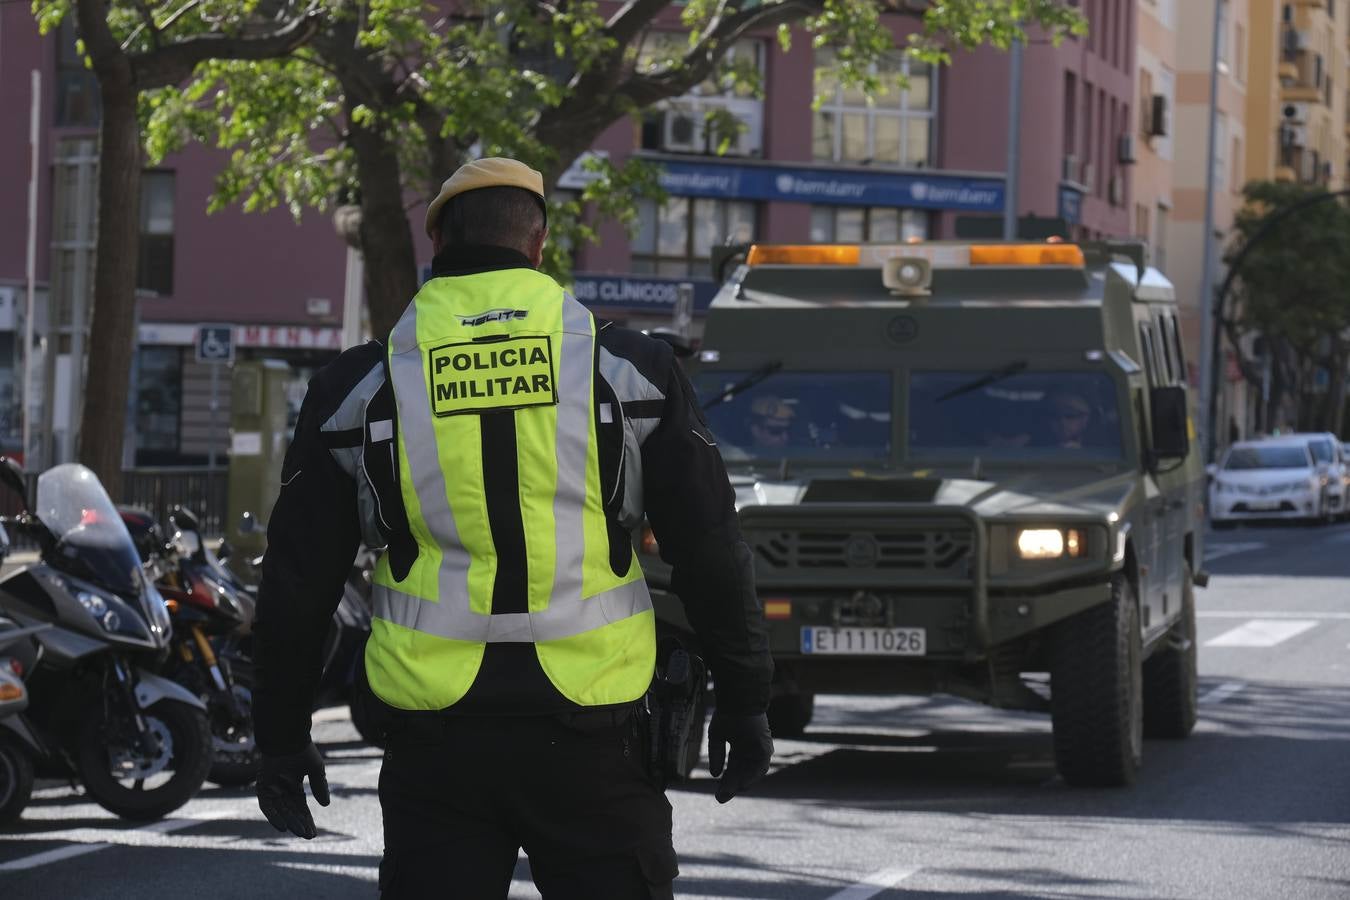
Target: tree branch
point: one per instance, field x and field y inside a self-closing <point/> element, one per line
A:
<point x="174" y="63"/>
<point x="632" y="19"/>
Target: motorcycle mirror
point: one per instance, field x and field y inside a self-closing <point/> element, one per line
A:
<point x="11" y="476"/>
<point x="184" y="520"/>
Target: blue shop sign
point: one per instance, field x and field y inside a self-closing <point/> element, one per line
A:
<point x="833" y="186"/>
<point x="1070" y="205"/>
<point x="639" y="292"/>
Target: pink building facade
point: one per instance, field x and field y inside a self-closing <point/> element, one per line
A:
<point x="926" y="162"/>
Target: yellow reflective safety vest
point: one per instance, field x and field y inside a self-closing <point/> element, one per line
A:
<point x="476" y="351"/>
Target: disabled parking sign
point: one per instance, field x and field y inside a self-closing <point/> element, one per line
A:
<point x="215" y="343"/>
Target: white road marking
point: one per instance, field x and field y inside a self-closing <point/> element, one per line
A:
<point x="874" y="884"/>
<point x="164" y="826"/>
<point x="1267" y="614"/>
<point x="1219" y="551"/>
<point x="331" y="714"/>
<point x="364" y="873"/>
<point x="1221" y="693"/>
<point x="1262" y="633"/>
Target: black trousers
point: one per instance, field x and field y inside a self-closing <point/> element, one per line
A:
<point x="462" y="794"/>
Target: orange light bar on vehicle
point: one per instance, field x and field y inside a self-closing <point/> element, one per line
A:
<point x="777" y="609"/>
<point x="804" y="255"/>
<point x="1026" y="255"/>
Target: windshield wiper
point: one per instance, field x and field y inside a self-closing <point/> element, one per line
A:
<point x="985" y="380"/>
<point x="746" y="383"/>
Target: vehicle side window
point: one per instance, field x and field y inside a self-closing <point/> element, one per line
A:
<point x="1168" y="367"/>
<point x="1150" y="357"/>
<point x="1180" y="349"/>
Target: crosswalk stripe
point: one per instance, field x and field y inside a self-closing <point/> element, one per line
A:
<point x="1262" y="633"/>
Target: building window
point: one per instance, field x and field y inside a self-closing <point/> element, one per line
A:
<point x="77" y="100"/>
<point x="1240" y="53"/>
<point x="1223" y="36"/>
<point x="682" y="123"/>
<point x="155" y="269"/>
<point x="159" y="403"/>
<point x="862" y="224"/>
<point x="1160" y="244"/>
<point x="894" y="129"/>
<point x="676" y="239"/>
<point x="1236" y="186"/>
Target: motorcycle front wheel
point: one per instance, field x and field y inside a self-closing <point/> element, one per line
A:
<point x="237" y="759"/>
<point x="139" y="782"/>
<point x="16" y="780"/>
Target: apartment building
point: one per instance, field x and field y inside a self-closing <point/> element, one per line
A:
<point x="1153" y="138"/>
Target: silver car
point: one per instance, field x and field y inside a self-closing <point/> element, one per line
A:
<point x="1271" y="479"/>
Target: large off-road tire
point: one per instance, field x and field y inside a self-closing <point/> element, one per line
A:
<point x="16" y="780"/>
<point x="1171" y="676"/>
<point x="789" y="714"/>
<point x="188" y="760"/>
<point x="1096" y="692"/>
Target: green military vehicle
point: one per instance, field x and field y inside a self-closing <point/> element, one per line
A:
<point x="962" y="468"/>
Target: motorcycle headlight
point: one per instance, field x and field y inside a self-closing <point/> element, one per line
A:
<point x="113" y="614"/>
<point x="93" y="604"/>
<point x="1051" y="543"/>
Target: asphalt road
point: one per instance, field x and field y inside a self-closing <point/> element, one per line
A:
<point x="889" y="797"/>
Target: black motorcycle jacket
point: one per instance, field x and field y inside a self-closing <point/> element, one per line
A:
<point x="340" y="487"/>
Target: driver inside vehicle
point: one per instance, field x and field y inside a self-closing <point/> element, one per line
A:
<point x="771" y="421"/>
<point x="1068" y="417"/>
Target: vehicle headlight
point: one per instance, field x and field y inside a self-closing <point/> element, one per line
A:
<point x="1050" y="543"/>
<point x="112" y="614"/>
<point x="93" y="604"/>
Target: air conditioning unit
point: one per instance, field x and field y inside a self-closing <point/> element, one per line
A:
<point x="1294" y="135"/>
<point x="682" y="130"/>
<point x="1070" y="168"/>
<point x="1296" y="113"/>
<point x="1157" y="114"/>
<point x="1125" y="150"/>
<point x="749" y="141"/>
<point x="1302" y="39"/>
<point x="1115" y="190"/>
<point x="685" y="126"/>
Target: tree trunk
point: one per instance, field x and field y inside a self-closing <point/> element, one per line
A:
<point x="112" y="338"/>
<point x="386" y="236"/>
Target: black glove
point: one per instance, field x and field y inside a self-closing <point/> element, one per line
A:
<point x="751" y="750"/>
<point x="281" y="790"/>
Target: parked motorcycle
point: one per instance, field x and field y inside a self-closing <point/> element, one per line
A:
<point x="211" y="614"/>
<point x="18" y="655"/>
<point x="139" y="743"/>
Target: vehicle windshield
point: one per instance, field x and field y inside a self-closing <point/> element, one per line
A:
<point x="1027" y="416"/>
<point x="821" y="416"/>
<point x="1258" y="457"/>
<point x="1321" y="451"/>
<point x="73" y="505"/>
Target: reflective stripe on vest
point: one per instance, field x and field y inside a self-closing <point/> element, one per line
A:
<point x="586" y="622"/>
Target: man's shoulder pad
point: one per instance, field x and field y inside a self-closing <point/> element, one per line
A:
<point x="652" y="358"/>
<point x="336" y="380"/>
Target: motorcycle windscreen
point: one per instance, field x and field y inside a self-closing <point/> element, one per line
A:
<point x="73" y="505"/>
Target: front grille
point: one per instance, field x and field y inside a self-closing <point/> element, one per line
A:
<point x="935" y="550"/>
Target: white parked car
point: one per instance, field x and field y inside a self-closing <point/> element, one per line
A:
<point x="1330" y="458"/>
<point x="1271" y="479"/>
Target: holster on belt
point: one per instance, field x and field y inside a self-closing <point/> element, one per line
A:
<point x="672" y="704"/>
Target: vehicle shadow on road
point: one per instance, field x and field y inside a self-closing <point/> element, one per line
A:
<point x="1273" y="755"/>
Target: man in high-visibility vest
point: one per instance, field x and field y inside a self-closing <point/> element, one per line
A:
<point x="502" y="445"/>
